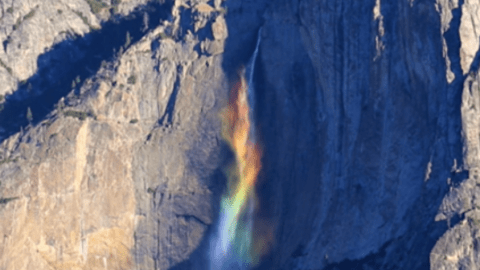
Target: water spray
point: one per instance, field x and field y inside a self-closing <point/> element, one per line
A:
<point x="232" y="243"/>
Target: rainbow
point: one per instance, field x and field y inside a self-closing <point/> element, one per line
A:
<point x="233" y="243"/>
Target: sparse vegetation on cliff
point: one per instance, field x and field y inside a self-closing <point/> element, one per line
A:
<point x="115" y="4"/>
<point x="8" y="160"/>
<point x="162" y="35"/>
<point x="84" y="19"/>
<point x="17" y="23"/>
<point x="132" y="79"/>
<point x="29" y="115"/>
<point x="223" y="11"/>
<point x="128" y="40"/>
<point x="80" y="115"/>
<point x="59" y="106"/>
<point x="29" y="15"/>
<point x="96" y="5"/>
<point x="21" y="19"/>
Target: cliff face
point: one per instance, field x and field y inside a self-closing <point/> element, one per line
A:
<point x="370" y="131"/>
<point x="31" y="28"/>
<point x="111" y="154"/>
<point x="121" y="164"/>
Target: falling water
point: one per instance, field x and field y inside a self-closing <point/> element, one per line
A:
<point x="251" y="90"/>
<point x="231" y="245"/>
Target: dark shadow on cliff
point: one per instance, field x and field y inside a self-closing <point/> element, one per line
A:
<point x="452" y="39"/>
<point x="67" y="64"/>
<point x="167" y="117"/>
<point x="411" y="250"/>
<point x="242" y="37"/>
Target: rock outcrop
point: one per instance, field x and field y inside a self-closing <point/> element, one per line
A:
<point x="121" y="177"/>
<point x="30" y="28"/>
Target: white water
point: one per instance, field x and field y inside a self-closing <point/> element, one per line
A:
<point x="249" y="71"/>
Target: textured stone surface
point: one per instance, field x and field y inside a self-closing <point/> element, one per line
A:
<point x="367" y="127"/>
<point x="469" y="33"/>
<point x="30" y="28"/>
<point x="124" y="187"/>
<point x="457" y="248"/>
<point x="445" y="7"/>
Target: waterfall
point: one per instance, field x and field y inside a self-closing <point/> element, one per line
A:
<point x="249" y="71"/>
<point x="232" y="242"/>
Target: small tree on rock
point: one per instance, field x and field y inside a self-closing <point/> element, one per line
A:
<point x="29" y="115"/>
<point x="128" y="40"/>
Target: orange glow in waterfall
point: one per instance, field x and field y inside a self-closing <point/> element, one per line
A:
<point x="237" y="132"/>
<point x="247" y="153"/>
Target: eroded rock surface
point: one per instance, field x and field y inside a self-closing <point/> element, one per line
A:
<point x="30" y="28"/>
<point x="121" y="177"/>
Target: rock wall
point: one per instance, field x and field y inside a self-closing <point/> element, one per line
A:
<point x="30" y="28"/>
<point x="121" y="177"/>
<point x="366" y="111"/>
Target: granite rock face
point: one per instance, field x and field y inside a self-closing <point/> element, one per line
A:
<point x="30" y="28"/>
<point x="367" y="111"/>
<point x="120" y="177"/>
